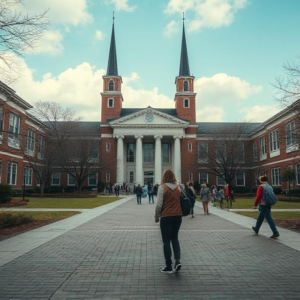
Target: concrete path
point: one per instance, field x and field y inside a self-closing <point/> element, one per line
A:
<point x="273" y="209"/>
<point x="116" y="253"/>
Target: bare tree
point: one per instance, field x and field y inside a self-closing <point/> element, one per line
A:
<point x="41" y="147"/>
<point x="19" y="34"/>
<point x="226" y="151"/>
<point x="288" y="87"/>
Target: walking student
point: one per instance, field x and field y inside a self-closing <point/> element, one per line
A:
<point x="264" y="208"/>
<point x="191" y="195"/>
<point x="139" y="193"/>
<point x="204" y="196"/>
<point x="168" y="210"/>
<point x="150" y="193"/>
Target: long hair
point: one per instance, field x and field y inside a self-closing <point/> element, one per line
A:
<point x="168" y="177"/>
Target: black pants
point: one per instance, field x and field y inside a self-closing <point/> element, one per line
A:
<point x="169" y="227"/>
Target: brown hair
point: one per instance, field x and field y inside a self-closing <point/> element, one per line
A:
<point x="263" y="178"/>
<point x="169" y="177"/>
<point x="190" y="184"/>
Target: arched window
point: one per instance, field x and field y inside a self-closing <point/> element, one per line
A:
<point x="111" y="85"/>
<point x="185" y="86"/>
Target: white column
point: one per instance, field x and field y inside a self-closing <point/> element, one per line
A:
<point x="177" y="158"/>
<point x="139" y="176"/>
<point x="120" y="159"/>
<point x="157" y="171"/>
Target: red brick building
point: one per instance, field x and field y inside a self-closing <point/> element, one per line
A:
<point x="140" y="143"/>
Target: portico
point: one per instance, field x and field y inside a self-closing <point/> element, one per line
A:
<point x="143" y="153"/>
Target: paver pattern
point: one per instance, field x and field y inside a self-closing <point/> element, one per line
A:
<point x="118" y="256"/>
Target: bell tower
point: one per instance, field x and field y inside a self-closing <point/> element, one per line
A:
<point x="185" y="98"/>
<point x="112" y="95"/>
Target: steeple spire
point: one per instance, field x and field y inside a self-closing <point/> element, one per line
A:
<point x="112" y="67"/>
<point x="184" y="69"/>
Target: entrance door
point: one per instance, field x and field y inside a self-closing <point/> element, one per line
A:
<point x="148" y="177"/>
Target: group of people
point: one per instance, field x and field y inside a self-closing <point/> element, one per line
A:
<point x="169" y="213"/>
<point x="143" y="192"/>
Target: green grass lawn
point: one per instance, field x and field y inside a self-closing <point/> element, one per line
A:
<point x="249" y="202"/>
<point x="47" y="216"/>
<point x="35" y="202"/>
<point x="280" y="215"/>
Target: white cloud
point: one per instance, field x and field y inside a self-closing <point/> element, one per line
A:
<point x="121" y="5"/>
<point x="210" y="114"/>
<point x="50" y="43"/>
<point x="206" y="13"/>
<point x="99" y="35"/>
<point x="171" y="29"/>
<point x="80" y="88"/>
<point x="60" y="11"/>
<point x="223" y="89"/>
<point x="259" y="113"/>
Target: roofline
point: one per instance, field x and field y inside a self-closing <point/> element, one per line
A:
<point x="12" y="93"/>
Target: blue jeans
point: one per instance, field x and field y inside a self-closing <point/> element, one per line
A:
<point x="151" y="196"/>
<point x="139" y="199"/>
<point x="265" y="213"/>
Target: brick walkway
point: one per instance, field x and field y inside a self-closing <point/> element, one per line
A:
<point x="117" y="255"/>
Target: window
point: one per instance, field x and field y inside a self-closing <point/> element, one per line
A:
<point x="186" y="103"/>
<point x="93" y="150"/>
<point x="111" y="85"/>
<point x="165" y="152"/>
<point x="241" y="151"/>
<point x="14" y="130"/>
<point x="240" y="179"/>
<point x="11" y="173"/>
<point x="254" y="145"/>
<point x="276" y="176"/>
<point x="263" y="148"/>
<point x="291" y="133"/>
<point x="1" y="119"/>
<point x="27" y="176"/>
<point x="130" y="152"/>
<point x="203" y="177"/>
<point x="191" y="177"/>
<point x="298" y="174"/>
<point x="56" y="178"/>
<point x="107" y="147"/>
<point x="202" y="152"/>
<point x="131" y="176"/>
<point x="190" y="146"/>
<point x="274" y="142"/>
<point x="41" y="147"/>
<point x="71" y="179"/>
<point x="220" y="181"/>
<point x="93" y="179"/>
<point x="107" y="177"/>
<point x="148" y="153"/>
<point x="185" y="86"/>
<point x="256" y="175"/>
<point x="110" y="102"/>
<point x="30" y="140"/>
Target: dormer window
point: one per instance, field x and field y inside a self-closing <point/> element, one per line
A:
<point x="186" y="103"/>
<point x="110" y="102"/>
<point x="111" y="85"/>
<point x="185" y="86"/>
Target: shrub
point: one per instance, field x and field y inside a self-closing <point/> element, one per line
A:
<point x="30" y="191"/>
<point x="101" y="186"/>
<point x="5" y="193"/>
<point x="11" y="220"/>
<point x="295" y="192"/>
<point x="277" y="190"/>
<point x="241" y="190"/>
<point x="17" y="192"/>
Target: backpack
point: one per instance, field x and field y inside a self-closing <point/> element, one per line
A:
<point x="185" y="204"/>
<point x="268" y="194"/>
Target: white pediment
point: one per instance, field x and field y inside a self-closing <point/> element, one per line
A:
<point x="149" y="117"/>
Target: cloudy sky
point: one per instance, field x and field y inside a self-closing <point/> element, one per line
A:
<point x="236" y="49"/>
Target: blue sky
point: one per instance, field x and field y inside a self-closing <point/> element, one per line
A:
<point x="236" y="49"/>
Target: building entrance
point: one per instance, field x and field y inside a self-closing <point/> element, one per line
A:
<point x="148" y="177"/>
